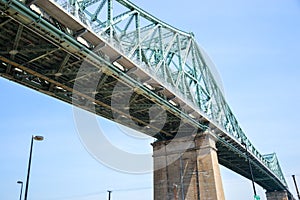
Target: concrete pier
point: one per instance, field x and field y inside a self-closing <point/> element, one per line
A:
<point x="187" y="172"/>
<point x="277" y="195"/>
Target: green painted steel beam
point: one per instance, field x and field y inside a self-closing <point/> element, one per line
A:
<point x="172" y="55"/>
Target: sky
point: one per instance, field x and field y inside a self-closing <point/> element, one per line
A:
<point x="255" y="46"/>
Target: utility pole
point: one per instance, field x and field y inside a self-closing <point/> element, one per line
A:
<point x="21" y="182"/>
<point x="38" y="138"/>
<point x="109" y="194"/>
<point x="296" y="186"/>
<point x="256" y="197"/>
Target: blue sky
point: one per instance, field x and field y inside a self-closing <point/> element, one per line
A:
<point x="255" y="46"/>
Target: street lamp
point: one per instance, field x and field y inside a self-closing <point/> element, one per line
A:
<point x="109" y="194"/>
<point x="256" y="197"/>
<point x="37" y="138"/>
<point x="20" y="182"/>
<point x="296" y="186"/>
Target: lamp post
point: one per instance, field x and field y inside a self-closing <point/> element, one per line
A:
<point x="37" y="138"/>
<point x="256" y="197"/>
<point x="109" y="194"/>
<point x="296" y="186"/>
<point x="21" y="182"/>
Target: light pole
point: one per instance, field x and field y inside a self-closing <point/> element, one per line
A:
<point x="296" y="186"/>
<point x="21" y="182"/>
<point x="37" y="138"/>
<point x="256" y="197"/>
<point x="109" y="194"/>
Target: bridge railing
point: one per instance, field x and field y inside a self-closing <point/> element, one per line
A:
<point x="172" y="55"/>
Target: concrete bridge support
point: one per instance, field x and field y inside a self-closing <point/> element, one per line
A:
<point x="187" y="168"/>
<point x="277" y="195"/>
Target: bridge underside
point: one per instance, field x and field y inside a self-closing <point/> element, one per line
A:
<point x="230" y="157"/>
<point x="40" y="62"/>
<point x="36" y="53"/>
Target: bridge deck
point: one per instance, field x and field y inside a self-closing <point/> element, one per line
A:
<point x="35" y="53"/>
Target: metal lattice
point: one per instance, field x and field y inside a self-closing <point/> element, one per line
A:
<point x="173" y="55"/>
<point x="170" y="55"/>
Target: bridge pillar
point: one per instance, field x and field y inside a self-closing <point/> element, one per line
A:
<point x="187" y="169"/>
<point x="277" y="195"/>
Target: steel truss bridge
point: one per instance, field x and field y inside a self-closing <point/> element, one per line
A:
<point x="96" y="53"/>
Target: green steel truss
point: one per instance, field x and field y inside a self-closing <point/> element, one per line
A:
<point x="172" y="56"/>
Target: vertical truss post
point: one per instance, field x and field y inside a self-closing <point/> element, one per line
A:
<point x="198" y="87"/>
<point x="201" y="68"/>
<point x="181" y="71"/>
<point x="73" y="8"/>
<point x="161" y="46"/>
<point x="15" y="45"/>
<point x="138" y="36"/>
<point x="110" y="17"/>
<point x="179" y="53"/>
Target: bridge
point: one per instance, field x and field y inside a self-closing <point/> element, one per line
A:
<point x="116" y="60"/>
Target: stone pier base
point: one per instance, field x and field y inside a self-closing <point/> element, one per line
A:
<point x="277" y="195"/>
<point x="187" y="169"/>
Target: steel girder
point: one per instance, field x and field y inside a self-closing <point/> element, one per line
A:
<point x="171" y="55"/>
